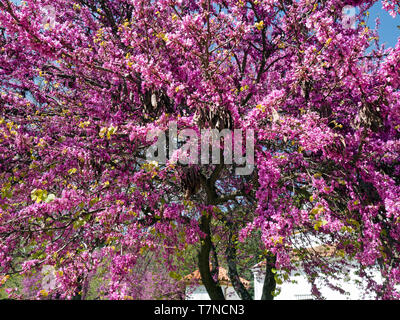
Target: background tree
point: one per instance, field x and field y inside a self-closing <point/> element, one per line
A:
<point x="83" y="87"/>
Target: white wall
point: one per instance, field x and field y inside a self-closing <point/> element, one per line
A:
<point x="301" y="289"/>
<point x="298" y="288"/>
<point x="196" y="293"/>
<point x="200" y="293"/>
<point x="289" y="291"/>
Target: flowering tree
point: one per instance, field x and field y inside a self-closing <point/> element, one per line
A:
<point x="83" y="84"/>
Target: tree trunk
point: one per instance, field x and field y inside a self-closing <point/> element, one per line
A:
<point x="212" y="287"/>
<point x="232" y="268"/>
<point x="269" y="285"/>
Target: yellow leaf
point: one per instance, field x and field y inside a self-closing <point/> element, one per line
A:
<point x="72" y="171"/>
<point x="111" y="130"/>
<point x="281" y="45"/>
<point x="44" y="293"/>
<point x="259" y="25"/>
<point x="102" y="132"/>
<point x="260" y="107"/>
<point x="3" y="281"/>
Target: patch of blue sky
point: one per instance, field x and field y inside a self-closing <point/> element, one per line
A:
<point x="389" y="30"/>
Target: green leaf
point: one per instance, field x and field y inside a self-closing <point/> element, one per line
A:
<point x="79" y="223"/>
<point x="278" y="280"/>
<point x="175" y="275"/>
<point x="93" y="201"/>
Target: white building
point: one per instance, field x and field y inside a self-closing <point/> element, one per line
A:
<point x="195" y="290"/>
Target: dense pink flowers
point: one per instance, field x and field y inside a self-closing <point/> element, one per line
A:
<point x="80" y="90"/>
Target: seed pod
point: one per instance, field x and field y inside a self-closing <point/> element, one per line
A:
<point x="369" y="116"/>
<point x="190" y="181"/>
<point x="214" y="118"/>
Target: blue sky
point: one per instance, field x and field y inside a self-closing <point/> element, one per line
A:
<point x="388" y="31"/>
